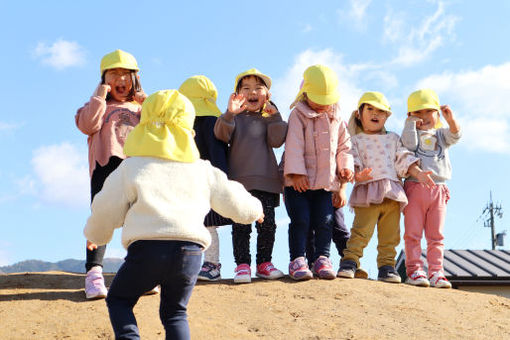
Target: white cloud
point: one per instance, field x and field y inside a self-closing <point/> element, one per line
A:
<point x="418" y="40"/>
<point x="61" y="174"/>
<point x="479" y="99"/>
<point x="61" y="54"/>
<point x="355" y="16"/>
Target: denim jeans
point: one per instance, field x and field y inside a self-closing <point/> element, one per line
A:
<point x="172" y="264"/>
<point x="307" y="210"/>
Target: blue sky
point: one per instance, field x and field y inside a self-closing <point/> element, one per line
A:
<point x="51" y="53"/>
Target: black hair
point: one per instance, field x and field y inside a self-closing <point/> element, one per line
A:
<point x="358" y="120"/>
<point x="136" y="86"/>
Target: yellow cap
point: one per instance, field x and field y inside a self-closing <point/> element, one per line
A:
<point x="376" y="99"/>
<point x="165" y="129"/>
<point x="201" y="91"/>
<point x="118" y="59"/>
<point x="253" y="72"/>
<point x="424" y="99"/>
<point x="320" y="84"/>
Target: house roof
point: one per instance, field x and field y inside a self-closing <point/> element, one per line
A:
<point x="470" y="267"/>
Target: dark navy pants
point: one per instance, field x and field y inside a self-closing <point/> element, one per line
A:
<point x="307" y="210"/>
<point x="340" y="237"/>
<point x="172" y="264"/>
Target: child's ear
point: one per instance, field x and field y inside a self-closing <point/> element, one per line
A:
<point x="268" y="96"/>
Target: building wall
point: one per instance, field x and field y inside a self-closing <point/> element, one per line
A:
<point x="496" y="290"/>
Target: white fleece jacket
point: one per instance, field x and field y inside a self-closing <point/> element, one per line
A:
<point x="158" y="199"/>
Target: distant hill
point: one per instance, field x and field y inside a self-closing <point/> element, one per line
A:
<point x="110" y="265"/>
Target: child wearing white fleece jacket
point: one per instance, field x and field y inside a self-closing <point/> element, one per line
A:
<point x="160" y="197"/>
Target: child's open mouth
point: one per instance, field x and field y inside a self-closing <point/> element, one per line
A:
<point x="253" y="101"/>
<point x="120" y="89"/>
<point x="374" y="120"/>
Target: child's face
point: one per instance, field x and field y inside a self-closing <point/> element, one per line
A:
<point x="429" y="118"/>
<point x="317" y="107"/>
<point x="373" y="119"/>
<point x="255" y="92"/>
<point x="120" y="82"/>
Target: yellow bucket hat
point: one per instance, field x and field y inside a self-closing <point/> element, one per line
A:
<point x="424" y="99"/>
<point x="201" y="91"/>
<point x="118" y="59"/>
<point x="376" y="99"/>
<point x="253" y="72"/>
<point x="165" y="129"/>
<point x="320" y="84"/>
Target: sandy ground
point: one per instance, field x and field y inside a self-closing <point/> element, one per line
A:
<point x="52" y="305"/>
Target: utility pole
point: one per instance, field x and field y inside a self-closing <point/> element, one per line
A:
<point x="490" y="211"/>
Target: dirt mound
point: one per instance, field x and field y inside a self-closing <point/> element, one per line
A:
<point x="52" y="305"/>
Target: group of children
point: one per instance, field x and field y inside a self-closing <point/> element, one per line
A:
<point x="163" y="194"/>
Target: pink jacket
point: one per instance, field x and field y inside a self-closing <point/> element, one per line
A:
<point x="107" y="126"/>
<point x="318" y="146"/>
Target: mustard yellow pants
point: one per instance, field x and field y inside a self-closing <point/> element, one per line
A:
<point x="387" y="217"/>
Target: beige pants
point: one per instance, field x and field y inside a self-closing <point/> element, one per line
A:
<point x="387" y="217"/>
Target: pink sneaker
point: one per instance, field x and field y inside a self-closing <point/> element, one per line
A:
<point x="298" y="269"/>
<point x="323" y="268"/>
<point x="267" y="270"/>
<point x="242" y="273"/>
<point x="94" y="284"/>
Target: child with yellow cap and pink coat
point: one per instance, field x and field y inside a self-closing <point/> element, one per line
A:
<point x="111" y="113"/>
<point x="316" y="163"/>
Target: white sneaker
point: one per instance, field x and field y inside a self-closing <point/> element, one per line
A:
<point x="438" y="280"/>
<point x="242" y="273"/>
<point x="418" y="278"/>
<point x="94" y="284"/>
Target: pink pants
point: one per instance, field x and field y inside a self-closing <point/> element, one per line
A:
<point x="426" y="211"/>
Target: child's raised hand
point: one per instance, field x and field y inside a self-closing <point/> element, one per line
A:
<point x="102" y="90"/>
<point x="236" y="103"/>
<point x="346" y="175"/>
<point x="299" y="182"/>
<point x="424" y="177"/>
<point x="363" y="175"/>
<point x="140" y="96"/>
<point x="447" y="113"/>
<point x="91" y="246"/>
<point x="418" y="121"/>
<point x="269" y="109"/>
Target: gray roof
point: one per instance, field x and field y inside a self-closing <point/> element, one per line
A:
<point x="470" y="267"/>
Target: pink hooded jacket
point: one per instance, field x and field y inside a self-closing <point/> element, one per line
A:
<point x="318" y="146"/>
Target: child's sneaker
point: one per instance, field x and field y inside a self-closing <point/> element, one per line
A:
<point x="388" y="274"/>
<point x="438" y="280"/>
<point x="347" y="269"/>
<point x="267" y="270"/>
<point x="298" y="269"/>
<point x="94" y="284"/>
<point x="418" y="278"/>
<point x="361" y="273"/>
<point x="210" y="272"/>
<point x="323" y="268"/>
<point x="242" y="273"/>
